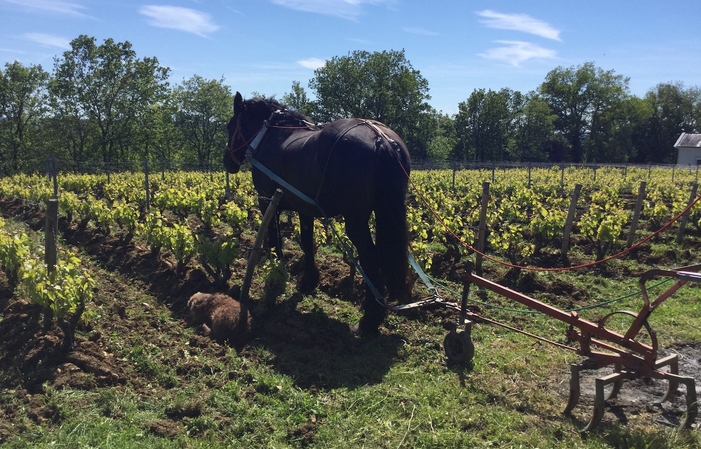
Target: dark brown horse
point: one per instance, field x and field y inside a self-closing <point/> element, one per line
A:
<point x="350" y="167"/>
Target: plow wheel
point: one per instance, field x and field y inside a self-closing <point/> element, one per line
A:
<point x="458" y="345"/>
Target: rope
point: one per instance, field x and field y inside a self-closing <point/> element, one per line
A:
<point x="552" y="269"/>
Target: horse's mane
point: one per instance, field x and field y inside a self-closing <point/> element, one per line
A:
<point x="271" y="104"/>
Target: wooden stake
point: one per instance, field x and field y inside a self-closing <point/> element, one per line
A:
<point x="482" y="231"/>
<point x="636" y="214"/>
<point x="570" y="220"/>
<point x="254" y="257"/>
<point x="685" y="217"/>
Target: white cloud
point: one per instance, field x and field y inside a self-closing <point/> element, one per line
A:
<point x="312" y="63"/>
<point x="421" y="31"/>
<point x="177" y="18"/>
<point x="516" y="52"/>
<point x="347" y="9"/>
<point x="519" y="22"/>
<point x="48" y="40"/>
<point x="50" y="6"/>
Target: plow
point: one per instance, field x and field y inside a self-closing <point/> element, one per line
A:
<point x="633" y="354"/>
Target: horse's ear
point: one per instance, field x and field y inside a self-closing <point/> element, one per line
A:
<point x="238" y="101"/>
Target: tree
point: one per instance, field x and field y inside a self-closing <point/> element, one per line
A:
<point x="69" y="132"/>
<point x="441" y="146"/>
<point x="672" y="110"/>
<point x="108" y="85"/>
<point x="382" y="86"/>
<point x="585" y="99"/>
<point x="298" y="100"/>
<point x="534" y="136"/>
<point x="203" y="108"/>
<point x="485" y="122"/>
<point x="23" y="101"/>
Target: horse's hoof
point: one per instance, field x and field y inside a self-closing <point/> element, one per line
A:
<point x="365" y="330"/>
<point x="305" y="287"/>
<point x="308" y="284"/>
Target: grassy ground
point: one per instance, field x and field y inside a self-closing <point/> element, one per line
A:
<point x="142" y="376"/>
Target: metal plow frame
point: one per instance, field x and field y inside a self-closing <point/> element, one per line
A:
<point x="630" y="358"/>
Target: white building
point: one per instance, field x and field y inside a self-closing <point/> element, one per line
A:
<point x="688" y="149"/>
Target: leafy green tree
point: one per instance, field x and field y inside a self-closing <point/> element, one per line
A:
<point x="534" y="136"/>
<point x="109" y="86"/>
<point x="202" y="110"/>
<point x="441" y="146"/>
<point x="298" y="100"/>
<point x="23" y="103"/>
<point x="70" y="134"/>
<point x="585" y="99"/>
<point x="382" y="86"/>
<point x="484" y="124"/>
<point x="673" y="109"/>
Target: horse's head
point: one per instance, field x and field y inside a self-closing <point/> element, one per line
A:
<point x="247" y="121"/>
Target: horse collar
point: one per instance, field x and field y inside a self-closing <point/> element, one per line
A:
<point x="253" y="146"/>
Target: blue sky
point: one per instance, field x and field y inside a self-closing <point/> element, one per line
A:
<point x="458" y="46"/>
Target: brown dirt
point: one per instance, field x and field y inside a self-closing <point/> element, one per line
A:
<point x="31" y="358"/>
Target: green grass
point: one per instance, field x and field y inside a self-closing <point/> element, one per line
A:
<point x="337" y="390"/>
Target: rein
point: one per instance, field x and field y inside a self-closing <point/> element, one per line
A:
<point x="238" y="133"/>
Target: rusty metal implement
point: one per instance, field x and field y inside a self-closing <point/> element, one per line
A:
<point x="602" y="347"/>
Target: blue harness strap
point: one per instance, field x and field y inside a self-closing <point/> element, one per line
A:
<point x="286" y="185"/>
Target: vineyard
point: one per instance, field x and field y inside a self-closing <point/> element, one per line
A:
<point x="173" y="233"/>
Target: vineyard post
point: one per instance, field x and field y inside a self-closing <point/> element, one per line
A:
<point x="254" y="257"/>
<point x="53" y="175"/>
<point x="147" y="197"/>
<point x="228" y="188"/>
<point x="50" y="250"/>
<point x="452" y="184"/>
<point x="570" y="220"/>
<point x="163" y="169"/>
<point x="562" y="177"/>
<point x="685" y="217"/>
<point x="595" y="173"/>
<point x="674" y="167"/>
<point x="636" y="213"/>
<point x="529" y="173"/>
<point x="482" y="231"/>
<point x="494" y="166"/>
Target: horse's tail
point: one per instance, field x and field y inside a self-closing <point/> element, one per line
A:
<point x="392" y="233"/>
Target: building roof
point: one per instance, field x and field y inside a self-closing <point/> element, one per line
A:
<point x="687" y="140"/>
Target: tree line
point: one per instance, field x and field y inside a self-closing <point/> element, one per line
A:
<point x="103" y="105"/>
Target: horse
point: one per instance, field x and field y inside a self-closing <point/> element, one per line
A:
<point x="350" y="168"/>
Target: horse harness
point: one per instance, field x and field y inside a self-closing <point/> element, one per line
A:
<point x="255" y="141"/>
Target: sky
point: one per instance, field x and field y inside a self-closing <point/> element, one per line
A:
<point x="458" y="46"/>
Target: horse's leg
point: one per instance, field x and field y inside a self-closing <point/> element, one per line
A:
<point x="275" y="236"/>
<point x="374" y="310"/>
<point x="310" y="278"/>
